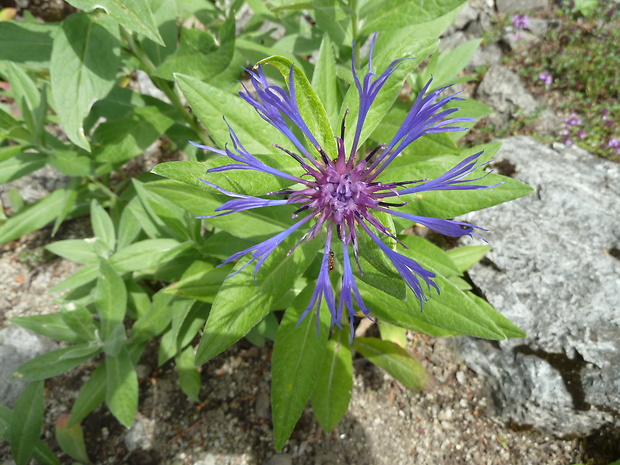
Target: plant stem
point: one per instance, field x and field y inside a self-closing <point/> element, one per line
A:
<point x="355" y="28"/>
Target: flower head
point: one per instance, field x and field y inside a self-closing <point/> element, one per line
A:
<point x="520" y="21"/>
<point x="339" y="194"/>
<point x="546" y="77"/>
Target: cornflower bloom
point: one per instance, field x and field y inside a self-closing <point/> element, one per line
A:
<point x="340" y="192"/>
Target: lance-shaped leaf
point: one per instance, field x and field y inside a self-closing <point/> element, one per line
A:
<point x="83" y="70"/>
<point x="71" y="439"/>
<point x="334" y="386"/>
<point x="395" y="360"/>
<point x="241" y="303"/>
<point x="26" y="422"/>
<point x="295" y="364"/>
<point x="121" y="387"/>
<point x="110" y="298"/>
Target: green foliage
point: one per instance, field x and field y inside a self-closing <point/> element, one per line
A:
<point x="152" y="274"/>
<point x="584" y="67"/>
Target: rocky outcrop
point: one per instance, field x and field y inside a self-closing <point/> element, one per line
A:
<point x="554" y="270"/>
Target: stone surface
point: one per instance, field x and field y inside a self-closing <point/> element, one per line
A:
<point x="486" y="56"/>
<point x="515" y="39"/>
<point x="17" y="346"/>
<point x="505" y="93"/>
<point x="510" y="6"/>
<point x="554" y="270"/>
<point x="141" y="435"/>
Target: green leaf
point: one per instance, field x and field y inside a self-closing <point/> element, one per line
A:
<point x="158" y="316"/>
<point x="142" y="255"/>
<point x="82" y="70"/>
<point x="114" y="341"/>
<point x="395" y="360"/>
<point x="110" y="298"/>
<point x="50" y="325"/>
<point x="309" y="104"/>
<point x="392" y="14"/>
<point x="295" y="364"/>
<point x="72" y="163"/>
<point x="135" y="15"/>
<point x="210" y="103"/>
<point x="466" y="257"/>
<point x="186" y="324"/>
<point x="128" y="229"/>
<point x="26" y="422"/>
<point x="507" y="327"/>
<point x="81" y="322"/>
<point x="32" y="105"/>
<point x="163" y="12"/>
<point x="41" y="452"/>
<point x="189" y="378"/>
<point x="103" y="227"/>
<point x="53" y="363"/>
<point x="121" y="388"/>
<point x="244" y="182"/>
<point x="201" y="282"/>
<point x="393" y="333"/>
<point x="428" y="254"/>
<point x="115" y="142"/>
<point x="451" y="310"/>
<point x="77" y="250"/>
<point x="242" y="303"/>
<point x="442" y="204"/>
<point x="71" y="439"/>
<point x="21" y="165"/>
<point x="90" y="396"/>
<point x="33" y="217"/>
<point x="444" y="67"/>
<point x="324" y="80"/>
<point x="25" y="42"/>
<point x="81" y="277"/>
<point x="198" y="54"/>
<point x="255" y="224"/>
<point x="334" y="386"/>
<point x="11" y="150"/>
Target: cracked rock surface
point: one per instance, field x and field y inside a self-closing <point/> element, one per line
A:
<point x="554" y="270"/>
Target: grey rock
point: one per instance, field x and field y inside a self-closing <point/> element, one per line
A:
<point x="538" y="26"/>
<point x="280" y="459"/>
<point x="37" y="185"/>
<point x="451" y="41"/>
<point x="505" y="93"/>
<point x="510" y="6"/>
<point x="262" y="406"/>
<point x="486" y="56"/>
<point x="17" y="346"/>
<point x="146" y="86"/>
<point x="552" y="271"/>
<point x="548" y="123"/>
<point x="465" y="16"/>
<point x="514" y="39"/>
<point x="141" y="435"/>
<point x="208" y="459"/>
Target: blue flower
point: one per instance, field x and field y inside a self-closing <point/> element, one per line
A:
<point x="340" y="193"/>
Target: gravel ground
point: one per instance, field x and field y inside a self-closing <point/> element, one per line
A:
<point x="386" y="423"/>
